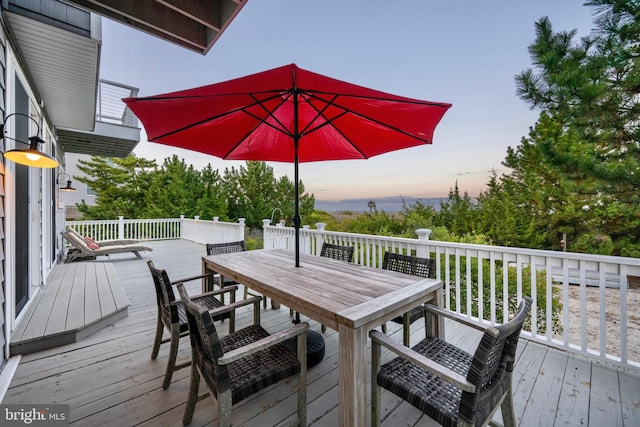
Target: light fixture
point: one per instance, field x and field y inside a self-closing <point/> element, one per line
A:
<point x="31" y="156"/>
<point x="68" y="187"/>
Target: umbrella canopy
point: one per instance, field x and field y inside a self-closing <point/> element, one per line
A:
<point x="287" y="114"/>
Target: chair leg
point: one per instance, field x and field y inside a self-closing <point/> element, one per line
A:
<point x="406" y="330"/>
<point x="384" y="328"/>
<point x="173" y="355"/>
<point x="264" y="299"/>
<point x="508" y="414"/>
<point x="323" y="328"/>
<point x="193" y="395"/>
<point x="158" y="339"/>
<point x="224" y="409"/>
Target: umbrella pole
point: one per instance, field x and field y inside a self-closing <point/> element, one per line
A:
<point x="296" y="137"/>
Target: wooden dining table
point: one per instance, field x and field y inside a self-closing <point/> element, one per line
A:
<point x="349" y="298"/>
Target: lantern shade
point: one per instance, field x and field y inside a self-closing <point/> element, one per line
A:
<point x="32" y="156"/>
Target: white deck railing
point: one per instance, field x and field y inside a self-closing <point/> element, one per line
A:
<point x="202" y="231"/>
<point x="196" y="230"/>
<point x="138" y="229"/>
<point x="585" y="299"/>
<point x="581" y="303"/>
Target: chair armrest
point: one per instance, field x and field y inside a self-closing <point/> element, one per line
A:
<point x="225" y="290"/>
<point x="106" y="243"/>
<point x="234" y="305"/>
<point x="454" y="316"/>
<point x="267" y="342"/>
<point x="423" y="362"/>
<point x="188" y="279"/>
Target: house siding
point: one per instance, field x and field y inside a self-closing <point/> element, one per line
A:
<point x="4" y="341"/>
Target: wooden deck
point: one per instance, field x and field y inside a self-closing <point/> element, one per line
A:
<point x="80" y="299"/>
<point x="108" y="378"/>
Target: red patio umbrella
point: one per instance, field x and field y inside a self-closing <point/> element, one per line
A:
<point x="287" y="114"/>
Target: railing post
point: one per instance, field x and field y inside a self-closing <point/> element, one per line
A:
<point x="306" y="241"/>
<point x="181" y="225"/>
<point x="265" y="224"/>
<point x="241" y="221"/>
<point x="195" y="228"/>
<point x="423" y="236"/>
<point x="120" y="227"/>
<point x="320" y="226"/>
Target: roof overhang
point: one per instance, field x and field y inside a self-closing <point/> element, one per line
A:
<point x="107" y="140"/>
<point x="64" y="67"/>
<point x="193" y="24"/>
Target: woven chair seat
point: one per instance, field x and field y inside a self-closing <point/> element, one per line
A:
<point x="241" y="363"/>
<point x="436" y="398"/>
<point x="416" y="266"/>
<point x="209" y="302"/>
<point x="257" y="371"/>
<point x="414" y="314"/>
<point x="448" y="384"/>
<point x="173" y="318"/>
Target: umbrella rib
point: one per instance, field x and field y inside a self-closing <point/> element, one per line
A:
<point x="260" y="120"/>
<point x="311" y="92"/>
<point x="349" y="111"/>
<point x="226" y="113"/>
<point x="282" y="128"/>
<point x="303" y="131"/>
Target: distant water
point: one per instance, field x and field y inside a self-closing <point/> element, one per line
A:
<point x="386" y="204"/>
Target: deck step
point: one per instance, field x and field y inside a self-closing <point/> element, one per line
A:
<point x="79" y="300"/>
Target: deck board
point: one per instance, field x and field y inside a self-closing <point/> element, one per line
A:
<point x="543" y="406"/>
<point x="79" y="299"/>
<point x="574" y="393"/>
<point x="109" y="379"/>
<point x="605" y="394"/>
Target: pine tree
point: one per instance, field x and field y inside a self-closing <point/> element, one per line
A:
<point x="580" y="165"/>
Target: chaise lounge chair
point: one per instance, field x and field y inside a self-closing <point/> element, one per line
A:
<point x="80" y="248"/>
<point x="100" y="243"/>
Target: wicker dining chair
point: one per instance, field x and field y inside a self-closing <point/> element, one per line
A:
<point x="241" y="363"/>
<point x="417" y="266"/>
<point x="329" y="250"/>
<point x="172" y="317"/>
<point x="228" y="248"/>
<point x="445" y="382"/>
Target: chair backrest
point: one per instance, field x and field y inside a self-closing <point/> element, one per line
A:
<point x="77" y="241"/>
<point x="70" y="230"/>
<point x="417" y="266"/>
<point x="341" y="253"/>
<point x="494" y="358"/>
<point x="164" y="294"/>
<point x="225" y="248"/>
<point x="205" y="341"/>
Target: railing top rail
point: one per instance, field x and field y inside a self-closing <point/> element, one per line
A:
<point x="344" y="234"/>
<point x="481" y="248"/>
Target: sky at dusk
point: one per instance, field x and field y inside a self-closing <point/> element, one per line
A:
<point x="461" y="52"/>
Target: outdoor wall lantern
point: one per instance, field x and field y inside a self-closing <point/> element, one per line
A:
<point x="31" y="156"/>
<point x="68" y="187"/>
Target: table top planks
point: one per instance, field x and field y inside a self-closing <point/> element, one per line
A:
<point x="329" y="291"/>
